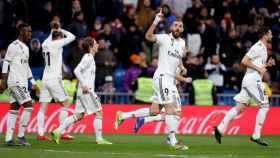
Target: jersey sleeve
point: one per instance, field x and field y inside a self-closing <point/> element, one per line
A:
<point x="64" y="41"/>
<point x="82" y="66"/>
<point x="11" y="52"/>
<point x="252" y="53"/>
<point x="160" y="38"/>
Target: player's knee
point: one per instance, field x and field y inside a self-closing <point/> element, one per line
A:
<point x="178" y="113"/>
<point x="64" y="103"/>
<point x="78" y="116"/>
<point x="15" y="106"/>
<point x="27" y="104"/>
<point x="154" y="110"/>
<point x="99" y="114"/>
<point x="241" y="107"/>
<point x="264" y="105"/>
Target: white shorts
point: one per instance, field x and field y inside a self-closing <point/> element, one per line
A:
<point x="88" y="103"/>
<point x="19" y="94"/>
<point x="52" y="89"/>
<point x="252" y="89"/>
<point x="165" y="91"/>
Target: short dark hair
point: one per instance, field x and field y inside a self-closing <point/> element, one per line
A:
<point x="22" y="26"/>
<point x="56" y="34"/>
<point x="87" y="43"/>
<point x="263" y="31"/>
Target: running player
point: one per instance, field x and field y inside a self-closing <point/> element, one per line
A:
<point x="140" y="121"/>
<point x="52" y="84"/>
<point x="171" y="50"/>
<point x="252" y="88"/>
<point x="16" y="73"/>
<point x="87" y="101"/>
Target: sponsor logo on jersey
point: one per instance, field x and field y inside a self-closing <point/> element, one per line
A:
<point x="175" y="54"/>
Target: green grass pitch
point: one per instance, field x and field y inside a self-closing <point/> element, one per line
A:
<point x="144" y="146"/>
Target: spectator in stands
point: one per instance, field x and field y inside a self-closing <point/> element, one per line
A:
<point x="233" y="78"/>
<point x="152" y="67"/>
<point x="105" y="63"/>
<point x="178" y="7"/>
<point x="169" y="17"/>
<point x="231" y="48"/>
<point x="128" y="18"/>
<point x="215" y="71"/>
<point x="97" y="27"/>
<point x="36" y="54"/>
<point x="42" y="17"/>
<point x="132" y="73"/>
<point x="131" y="42"/>
<point x="195" y="67"/>
<point x="78" y="26"/>
<point x="145" y="14"/>
<point x="76" y="54"/>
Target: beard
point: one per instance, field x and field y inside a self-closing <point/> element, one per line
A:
<point x="176" y="33"/>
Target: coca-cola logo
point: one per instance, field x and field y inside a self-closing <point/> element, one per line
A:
<point x="199" y="124"/>
<point x="51" y="123"/>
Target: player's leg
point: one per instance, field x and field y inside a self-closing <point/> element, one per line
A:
<point x="23" y="122"/>
<point x="22" y="96"/>
<point x="263" y="102"/>
<point x="45" y="98"/>
<point x="169" y="97"/>
<point x="140" y="121"/>
<point x="97" y="123"/>
<point x="56" y="134"/>
<point x="242" y="100"/>
<point x="142" y="112"/>
<point x="58" y="93"/>
<point x="11" y="121"/>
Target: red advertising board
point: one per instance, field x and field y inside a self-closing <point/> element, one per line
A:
<point x="195" y="120"/>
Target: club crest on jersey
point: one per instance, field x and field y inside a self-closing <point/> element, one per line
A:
<point x="175" y="54"/>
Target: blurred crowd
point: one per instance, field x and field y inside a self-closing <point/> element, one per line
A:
<point x="218" y="33"/>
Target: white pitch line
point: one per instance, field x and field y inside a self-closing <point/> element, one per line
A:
<point x="65" y="151"/>
<point x="127" y="154"/>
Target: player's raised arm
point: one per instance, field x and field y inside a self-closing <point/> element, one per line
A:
<point x="150" y="36"/>
<point x="69" y="37"/>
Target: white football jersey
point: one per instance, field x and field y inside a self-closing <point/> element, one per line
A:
<point x="52" y="50"/>
<point x="258" y="56"/>
<point x="19" y="71"/>
<point x="85" y="72"/>
<point x="171" y="52"/>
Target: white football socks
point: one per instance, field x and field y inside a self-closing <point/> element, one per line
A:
<point x="172" y="123"/>
<point x="229" y="116"/>
<point x="24" y="120"/>
<point x="63" y="115"/>
<point x="67" y="122"/>
<point x="41" y="119"/>
<point x="11" y="121"/>
<point x="259" y="122"/>
<point x="97" y="123"/>
<point x="137" y="113"/>
<point x="158" y="117"/>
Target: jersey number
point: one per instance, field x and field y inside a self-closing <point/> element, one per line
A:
<point x="47" y="58"/>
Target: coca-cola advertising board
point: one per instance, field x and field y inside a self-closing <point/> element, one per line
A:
<point x="194" y="120"/>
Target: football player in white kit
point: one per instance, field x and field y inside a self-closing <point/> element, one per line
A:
<point x="87" y="102"/>
<point x="16" y="73"/>
<point x="252" y="88"/>
<point x="140" y="121"/>
<point x="52" y="83"/>
<point x="171" y="50"/>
